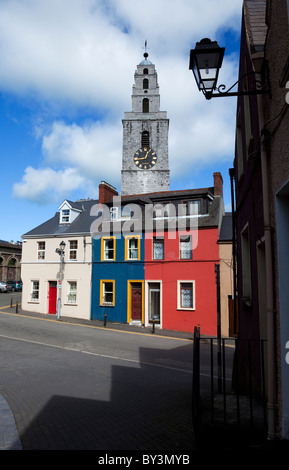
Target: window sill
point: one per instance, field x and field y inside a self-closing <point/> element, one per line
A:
<point x="189" y="309"/>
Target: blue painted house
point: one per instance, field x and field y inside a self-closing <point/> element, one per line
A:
<point x="117" y="264"/>
<point x="118" y="278"/>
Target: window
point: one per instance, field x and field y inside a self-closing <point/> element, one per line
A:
<point x="113" y="213"/>
<point x="65" y="215"/>
<point x="158" y="248"/>
<point x="41" y="250"/>
<point x="145" y="71"/>
<point x="132" y="248"/>
<point x="108" y="249"/>
<point x="123" y="212"/>
<point x="107" y="293"/>
<point x="73" y="245"/>
<point x="193" y="207"/>
<point x="34" y="294"/>
<point x="145" y="139"/>
<point x="246" y="266"/>
<point x="145" y="83"/>
<point x="72" y="290"/>
<point x="163" y="210"/>
<point x="186" y="251"/>
<point x="186" y="295"/>
<point x="145" y="105"/>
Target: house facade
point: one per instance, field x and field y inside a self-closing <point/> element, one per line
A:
<point x="261" y="183"/>
<point x="44" y="282"/>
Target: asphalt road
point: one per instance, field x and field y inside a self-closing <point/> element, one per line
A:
<point x="79" y="387"/>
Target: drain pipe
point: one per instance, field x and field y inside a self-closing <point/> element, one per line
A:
<point x="271" y="400"/>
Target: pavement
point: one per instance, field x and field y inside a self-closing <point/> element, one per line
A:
<point x="9" y="436"/>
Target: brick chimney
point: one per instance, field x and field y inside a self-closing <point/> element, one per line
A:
<point x="106" y="192"/>
<point x="218" y="184"/>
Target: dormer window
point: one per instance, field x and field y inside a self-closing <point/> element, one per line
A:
<point x="192" y="207"/>
<point x="65" y="216"/>
<point x="113" y="213"/>
<point x="69" y="211"/>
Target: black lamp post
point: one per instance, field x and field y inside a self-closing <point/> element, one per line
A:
<point x="61" y="252"/>
<point x="205" y="62"/>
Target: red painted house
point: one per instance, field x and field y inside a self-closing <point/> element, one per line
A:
<point x="187" y="287"/>
<point x="180" y="279"/>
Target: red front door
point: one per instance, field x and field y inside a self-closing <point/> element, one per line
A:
<point x="52" y="297"/>
<point x="136" y="301"/>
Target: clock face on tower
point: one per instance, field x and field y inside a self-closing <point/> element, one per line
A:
<point x="145" y="158"/>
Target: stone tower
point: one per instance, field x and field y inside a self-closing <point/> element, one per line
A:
<point x="145" y="162"/>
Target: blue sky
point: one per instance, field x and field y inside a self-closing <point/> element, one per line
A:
<point x="66" y="76"/>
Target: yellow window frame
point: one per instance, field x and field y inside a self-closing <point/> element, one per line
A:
<point x="127" y="238"/>
<point x="102" y="281"/>
<point x="103" y="239"/>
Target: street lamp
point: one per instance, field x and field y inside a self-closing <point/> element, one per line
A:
<point x="205" y="62"/>
<point x="61" y="252"/>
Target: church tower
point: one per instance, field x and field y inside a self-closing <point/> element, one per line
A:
<point x="145" y="162"/>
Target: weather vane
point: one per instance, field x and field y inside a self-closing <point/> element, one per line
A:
<point x="146" y="53"/>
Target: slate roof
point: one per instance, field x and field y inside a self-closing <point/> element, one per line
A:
<point x="226" y="233"/>
<point x="52" y="227"/>
<point x="82" y="224"/>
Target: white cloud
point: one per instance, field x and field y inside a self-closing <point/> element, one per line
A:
<point x="37" y="184"/>
<point x="85" y="51"/>
<point x="73" y="54"/>
<point x="88" y="154"/>
<point x="94" y="148"/>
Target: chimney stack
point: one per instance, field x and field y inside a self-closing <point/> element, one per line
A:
<point x="106" y="192"/>
<point x="218" y="184"/>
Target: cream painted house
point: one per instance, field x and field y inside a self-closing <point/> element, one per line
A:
<point x="43" y="280"/>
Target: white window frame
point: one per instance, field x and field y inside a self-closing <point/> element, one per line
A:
<point x="129" y="249"/>
<point x="71" y="292"/>
<point x="193" y="285"/>
<point x="73" y="250"/>
<point x="182" y="251"/>
<point x="104" y="251"/>
<point x="160" y="241"/>
<point x="41" y="250"/>
<point x="65" y="216"/>
<point x="34" y="290"/>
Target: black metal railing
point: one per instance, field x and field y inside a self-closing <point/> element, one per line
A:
<point x="229" y="384"/>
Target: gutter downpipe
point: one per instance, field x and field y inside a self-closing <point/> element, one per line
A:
<point x="271" y="402"/>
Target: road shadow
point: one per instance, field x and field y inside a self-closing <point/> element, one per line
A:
<point x="149" y="408"/>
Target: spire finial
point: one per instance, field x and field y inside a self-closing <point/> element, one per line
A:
<point x="146" y="54"/>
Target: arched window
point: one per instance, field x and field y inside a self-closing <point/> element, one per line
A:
<point x="145" y="83"/>
<point x="145" y="139"/>
<point x="145" y="105"/>
<point x="145" y="71"/>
